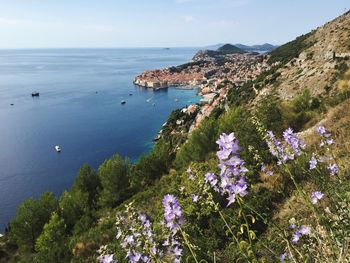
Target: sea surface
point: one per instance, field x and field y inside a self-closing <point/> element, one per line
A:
<point x="80" y="109"/>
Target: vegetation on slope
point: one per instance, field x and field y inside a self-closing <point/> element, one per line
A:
<point x="290" y="50"/>
<point x="280" y="215"/>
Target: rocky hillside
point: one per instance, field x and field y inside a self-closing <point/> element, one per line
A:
<point x="321" y="57"/>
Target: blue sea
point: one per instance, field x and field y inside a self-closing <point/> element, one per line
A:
<point x="80" y="109"/>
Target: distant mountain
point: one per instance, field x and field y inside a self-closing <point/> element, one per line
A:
<point x="263" y="47"/>
<point x="218" y="54"/>
<point x="230" y="49"/>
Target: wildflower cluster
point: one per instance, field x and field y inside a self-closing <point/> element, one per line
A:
<point x="136" y="236"/>
<point x="199" y="190"/>
<point x="173" y="221"/>
<point x="286" y="151"/>
<point x="326" y="136"/>
<point x="326" y="140"/>
<point x="142" y="242"/>
<point x="172" y="213"/>
<point x="232" y="170"/>
<point x="105" y="257"/>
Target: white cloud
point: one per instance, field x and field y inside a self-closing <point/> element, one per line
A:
<point x="189" y="18"/>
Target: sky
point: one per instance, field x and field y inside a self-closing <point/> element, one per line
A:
<point x="159" y="23"/>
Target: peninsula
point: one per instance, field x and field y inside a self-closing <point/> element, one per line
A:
<point x="226" y="63"/>
<point x="213" y="72"/>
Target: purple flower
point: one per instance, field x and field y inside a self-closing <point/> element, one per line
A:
<point x="223" y="154"/>
<point x="315" y="196"/>
<point x="302" y="231"/>
<point x="172" y="212"/>
<point x="228" y="145"/>
<point x="333" y="169"/>
<point x="232" y="169"/>
<point x="313" y="162"/>
<point x="321" y="130"/>
<point x="106" y="259"/>
<point x="275" y="146"/>
<point x="195" y="198"/>
<point x="326" y="136"/>
<point x="330" y="141"/>
<point x="283" y="257"/>
<point x="287" y="151"/>
<point x="240" y="189"/>
<point x="146" y="259"/>
<point x="231" y="199"/>
<point x="292" y="226"/>
<point x="228" y="142"/>
<point x="133" y="258"/>
<point x="211" y="178"/>
<point x="293" y="141"/>
<point x="128" y="240"/>
<point x="296" y="237"/>
<point x="177" y="251"/>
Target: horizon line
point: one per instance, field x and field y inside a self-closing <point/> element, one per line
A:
<point x="132" y="47"/>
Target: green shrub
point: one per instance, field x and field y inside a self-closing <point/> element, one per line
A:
<point x="302" y="102"/>
<point x="290" y="50"/>
<point x="30" y="219"/>
<point x="201" y="142"/>
<point x="114" y="175"/>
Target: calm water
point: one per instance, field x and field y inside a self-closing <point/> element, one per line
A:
<point x="88" y="126"/>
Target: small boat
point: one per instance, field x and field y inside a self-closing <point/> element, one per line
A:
<point x="157" y="138"/>
<point x="123" y="102"/>
<point x="176" y="100"/>
<point x="58" y="148"/>
<point x="148" y="100"/>
<point x="12" y="104"/>
<point x="35" y="94"/>
<point x="130" y="94"/>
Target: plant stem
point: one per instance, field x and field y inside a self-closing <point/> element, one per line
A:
<point x="188" y="245"/>
<point x="247" y="225"/>
<point x="227" y="225"/>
